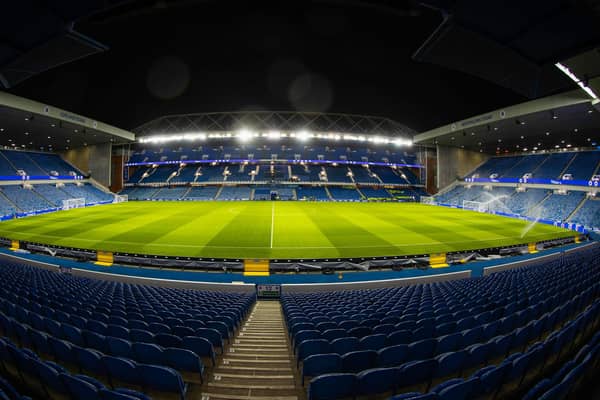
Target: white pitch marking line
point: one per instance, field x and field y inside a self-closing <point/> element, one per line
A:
<point x="272" y="221"/>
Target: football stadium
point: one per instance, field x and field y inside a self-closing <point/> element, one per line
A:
<point x="306" y="200"/>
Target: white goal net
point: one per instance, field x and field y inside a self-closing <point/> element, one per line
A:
<point x="428" y="200"/>
<point x="121" y="198"/>
<point x="73" y="203"/>
<point x="475" y="206"/>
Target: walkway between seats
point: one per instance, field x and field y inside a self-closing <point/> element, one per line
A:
<point x="258" y="364"/>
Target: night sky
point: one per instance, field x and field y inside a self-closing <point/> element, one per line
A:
<point x="329" y="56"/>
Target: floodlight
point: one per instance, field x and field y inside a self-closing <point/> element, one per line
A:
<point x="575" y="79"/>
<point x="245" y="135"/>
<point x="303" y="136"/>
<point x="274" y="135"/>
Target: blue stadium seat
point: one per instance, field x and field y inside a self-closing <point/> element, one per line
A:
<point x="319" y="364"/>
<point x="332" y="387"/>
<point x="184" y="361"/>
<point x="147" y="353"/>
<point x="392" y="355"/>
<point x="79" y="388"/>
<point x="201" y="346"/>
<point x="162" y="381"/>
<point x="357" y="361"/>
<point x="373" y="342"/>
<point x="122" y="372"/>
<point x="345" y="345"/>
<point x="310" y="347"/>
<point x="377" y="381"/>
<point x="119" y="347"/>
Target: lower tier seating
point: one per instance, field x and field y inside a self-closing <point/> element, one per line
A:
<point x="497" y="334"/>
<point x="73" y="338"/>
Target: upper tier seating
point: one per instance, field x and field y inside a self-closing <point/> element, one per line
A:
<point x="524" y="165"/>
<point x="337" y="174"/>
<point x="239" y="173"/>
<point x="282" y="152"/>
<point x="581" y="165"/>
<point x="34" y="164"/>
<point x="554" y="164"/>
<point x="363" y="175"/>
<point x="273" y="173"/>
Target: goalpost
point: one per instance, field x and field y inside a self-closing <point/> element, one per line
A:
<point x="121" y="198"/>
<point x="428" y="200"/>
<point x="73" y="203"/>
<point x="475" y="206"/>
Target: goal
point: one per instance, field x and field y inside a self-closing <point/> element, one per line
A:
<point x="475" y="206"/>
<point x="121" y="198"/>
<point x="428" y="200"/>
<point x="73" y="203"/>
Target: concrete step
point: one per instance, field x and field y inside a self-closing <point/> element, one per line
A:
<point x="250" y="375"/>
<point x="250" y="340"/>
<point x="260" y="345"/>
<point x="254" y="354"/>
<point x="249" y="361"/>
<point x="211" y="395"/>
<point x="247" y="386"/>
<point x="245" y="369"/>
<point x="238" y="348"/>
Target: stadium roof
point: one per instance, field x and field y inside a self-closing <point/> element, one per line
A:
<point x="513" y="43"/>
<point x="275" y="120"/>
<point x="565" y="121"/>
<point x="37" y="36"/>
<point x="27" y="124"/>
<point x="376" y="57"/>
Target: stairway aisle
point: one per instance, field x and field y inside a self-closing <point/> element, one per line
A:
<point x="258" y="364"/>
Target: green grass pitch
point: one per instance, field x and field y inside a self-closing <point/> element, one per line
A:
<point x="275" y="229"/>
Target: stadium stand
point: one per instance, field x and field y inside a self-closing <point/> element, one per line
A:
<point x="581" y="165"/>
<point x="588" y="214"/>
<point x="259" y="151"/>
<point x="234" y="193"/>
<point x="69" y="337"/>
<point x="573" y="205"/>
<point x="202" y="193"/>
<point x="502" y="334"/>
<point x="270" y="165"/>
<point x="315" y="193"/>
<point x="371" y="193"/>
<point x="340" y="193"/>
<point x="34" y="164"/>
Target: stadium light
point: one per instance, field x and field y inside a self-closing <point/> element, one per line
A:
<point x="274" y="135"/>
<point x="303" y="136"/>
<point x="575" y="79"/>
<point x="245" y="135"/>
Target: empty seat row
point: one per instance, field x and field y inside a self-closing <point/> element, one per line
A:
<point x="436" y="376"/>
<point x="126" y="379"/>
